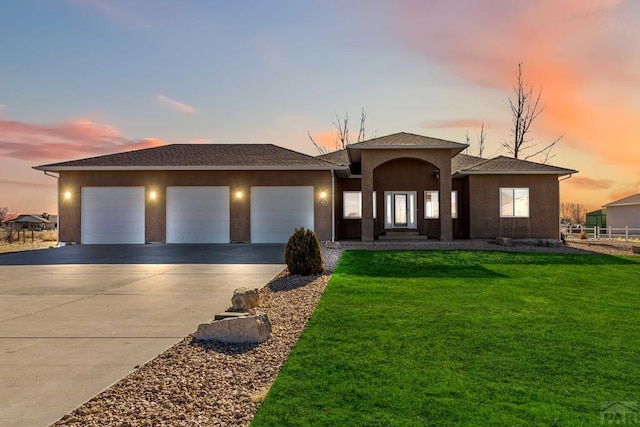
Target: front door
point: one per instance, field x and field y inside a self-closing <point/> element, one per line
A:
<point x="400" y="209"/>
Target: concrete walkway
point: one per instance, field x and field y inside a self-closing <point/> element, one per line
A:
<point x="67" y="332"/>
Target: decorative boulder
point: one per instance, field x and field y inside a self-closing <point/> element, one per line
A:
<point x="244" y="299"/>
<point x="504" y="241"/>
<point x="239" y="330"/>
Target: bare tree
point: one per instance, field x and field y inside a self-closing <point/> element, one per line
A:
<point x="525" y="109"/>
<point x="575" y="213"/>
<point x="578" y="213"/>
<point x="3" y="214"/>
<point x="480" y="138"/>
<point x="341" y="138"/>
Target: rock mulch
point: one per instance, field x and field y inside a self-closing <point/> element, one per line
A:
<point x="215" y="384"/>
<point x="209" y="383"/>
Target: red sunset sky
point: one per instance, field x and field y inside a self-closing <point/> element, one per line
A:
<point x="87" y="77"/>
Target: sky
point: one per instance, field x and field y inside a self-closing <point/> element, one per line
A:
<point x="81" y="78"/>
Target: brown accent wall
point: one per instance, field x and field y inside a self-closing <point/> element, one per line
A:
<point x="346" y="228"/>
<point x="406" y="175"/>
<point x="155" y="214"/>
<point x="373" y="159"/>
<point x="461" y="224"/>
<point x="484" y="200"/>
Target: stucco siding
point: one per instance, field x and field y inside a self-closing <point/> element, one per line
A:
<point x="484" y="200"/>
<point x="155" y="210"/>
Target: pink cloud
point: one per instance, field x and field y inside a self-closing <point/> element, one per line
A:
<point x="64" y="141"/>
<point x="174" y="105"/>
<point x="578" y="52"/>
<point x="48" y="185"/>
<point x="590" y="183"/>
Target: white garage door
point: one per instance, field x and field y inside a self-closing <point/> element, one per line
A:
<point x="112" y="215"/>
<point x="197" y="214"/>
<point x="277" y="211"/>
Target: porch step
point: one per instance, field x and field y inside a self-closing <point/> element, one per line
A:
<point x="402" y="235"/>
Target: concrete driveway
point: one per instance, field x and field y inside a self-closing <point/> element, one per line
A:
<point x="70" y="330"/>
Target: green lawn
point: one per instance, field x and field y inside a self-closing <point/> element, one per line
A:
<point x="404" y="338"/>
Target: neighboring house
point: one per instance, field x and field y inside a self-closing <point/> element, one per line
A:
<point x="260" y="192"/>
<point x="624" y="212"/>
<point x="33" y="222"/>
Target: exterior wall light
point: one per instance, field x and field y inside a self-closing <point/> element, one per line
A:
<point x="153" y="195"/>
<point x="67" y="195"/>
<point x="239" y="195"/>
<point x="323" y="195"/>
<point x="437" y="173"/>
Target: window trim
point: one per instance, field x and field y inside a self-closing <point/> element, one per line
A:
<point x="513" y="197"/>
<point x="344" y="194"/>
<point x="436" y="202"/>
<point x="374" y="203"/>
<point x="454" y="203"/>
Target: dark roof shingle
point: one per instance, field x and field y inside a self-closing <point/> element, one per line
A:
<point x="502" y="164"/>
<point x="340" y="157"/>
<point x="404" y="139"/>
<point x="199" y="155"/>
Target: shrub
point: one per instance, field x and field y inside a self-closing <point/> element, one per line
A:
<point x="583" y="234"/>
<point x="303" y="254"/>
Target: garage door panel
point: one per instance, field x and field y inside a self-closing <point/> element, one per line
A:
<point x="112" y="215"/>
<point x="277" y="211"/>
<point x="198" y="215"/>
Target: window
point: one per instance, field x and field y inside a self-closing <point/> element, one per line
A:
<point x="454" y="204"/>
<point x="432" y="205"/>
<point x="352" y="204"/>
<point x="514" y="202"/>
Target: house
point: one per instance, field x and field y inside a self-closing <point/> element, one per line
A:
<point x="33" y="222"/>
<point x="624" y="212"/>
<point x="259" y="193"/>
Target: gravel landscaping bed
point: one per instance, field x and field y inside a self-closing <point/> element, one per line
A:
<point x="211" y="383"/>
<point x="215" y="384"/>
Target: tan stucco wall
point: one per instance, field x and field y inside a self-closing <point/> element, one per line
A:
<point x="484" y="200"/>
<point x="155" y="214"/>
<point x="623" y="216"/>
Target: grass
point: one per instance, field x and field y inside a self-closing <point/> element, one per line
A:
<point x="464" y="338"/>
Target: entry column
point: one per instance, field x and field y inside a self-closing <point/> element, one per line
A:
<point x="446" y="225"/>
<point x="366" y="187"/>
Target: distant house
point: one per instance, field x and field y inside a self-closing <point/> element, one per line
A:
<point x="597" y="218"/>
<point x="33" y="222"/>
<point x="400" y="185"/>
<point x="624" y="212"/>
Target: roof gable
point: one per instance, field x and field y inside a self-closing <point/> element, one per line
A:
<point x="406" y="140"/>
<point x="464" y="161"/>
<point x="340" y="157"/>
<point x="631" y="200"/>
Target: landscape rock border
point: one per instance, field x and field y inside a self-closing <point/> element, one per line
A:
<point x="218" y="384"/>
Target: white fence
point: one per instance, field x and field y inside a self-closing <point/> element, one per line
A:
<point x="599" y="233"/>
